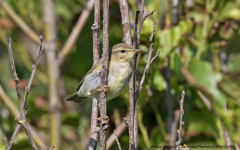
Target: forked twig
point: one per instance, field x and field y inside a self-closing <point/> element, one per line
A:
<point x="21" y="120"/>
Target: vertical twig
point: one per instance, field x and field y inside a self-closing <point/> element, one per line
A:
<point x="103" y="86"/>
<point x="135" y="116"/>
<point x="179" y="132"/>
<point x="125" y="21"/>
<point x="53" y="71"/>
<point x="96" y="33"/>
<point x="133" y="95"/>
<point x="22" y="118"/>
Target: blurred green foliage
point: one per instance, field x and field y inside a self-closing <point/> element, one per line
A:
<point x="205" y="42"/>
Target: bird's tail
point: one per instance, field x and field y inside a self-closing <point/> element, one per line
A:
<point x="76" y="98"/>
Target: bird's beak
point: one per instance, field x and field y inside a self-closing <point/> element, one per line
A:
<point x="134" y="51"/>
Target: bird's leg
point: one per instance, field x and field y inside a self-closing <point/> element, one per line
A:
<point x="89" y="93"/>
<point x="98" y="90"/>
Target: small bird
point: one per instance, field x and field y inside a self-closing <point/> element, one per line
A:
<point x="119" y="73"/>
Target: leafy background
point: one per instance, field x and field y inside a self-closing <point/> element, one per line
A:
<point x="201" y="51"/>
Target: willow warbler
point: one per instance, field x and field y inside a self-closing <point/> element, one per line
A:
<point x="119" y="73"/>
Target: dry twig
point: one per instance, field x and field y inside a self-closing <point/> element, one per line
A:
<point x="149" y="62"/>
<point x="133" y="124"/>
<point x="125" y="21"/>
<point x="96" y="33"/>
<point x="22" y="118"/>
<point x="103" y="93"/>
<point x="179" y="132"/>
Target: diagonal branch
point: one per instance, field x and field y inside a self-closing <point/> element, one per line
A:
<point x="15" y="112"/>
<point x="19" y="22"/>
<point x="119" y="146"/>
<point x="76" y="31"/>
<point x="149" y="62"/>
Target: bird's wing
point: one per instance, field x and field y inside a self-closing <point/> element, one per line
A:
<point x="94" y="68"/>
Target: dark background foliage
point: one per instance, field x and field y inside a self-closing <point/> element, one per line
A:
<point x="203" y="53"/>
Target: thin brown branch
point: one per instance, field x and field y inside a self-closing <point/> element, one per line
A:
<point x="143" y="18"/>
<point x="104" y="75"/>
<point x="34" y="67"/>
<point x="22" y="119"/>
<point x="132" y="92"/>
<point x="96" y="46"/>
<point x="19" y="22"/>
<point x="119" y="146"/>
<point x="15" y="76"/>
<point x="125" y="21"/>
<point x="179" y="132"/>
<point x="76" y="31"/>
<point x="8" y="147"/>
<point x="149" y="61"/>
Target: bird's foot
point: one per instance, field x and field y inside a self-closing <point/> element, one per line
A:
<point x="106" y="119"/>
<point x="105" y="88"/>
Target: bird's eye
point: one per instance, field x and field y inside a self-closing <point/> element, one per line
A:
<point x="122" y="51"/>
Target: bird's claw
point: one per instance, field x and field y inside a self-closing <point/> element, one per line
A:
<point x="106" y="119"/>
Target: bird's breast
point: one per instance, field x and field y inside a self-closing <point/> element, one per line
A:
<point x="118" y="77"/>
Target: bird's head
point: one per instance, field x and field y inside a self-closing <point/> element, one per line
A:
<point x="123" y="52"/>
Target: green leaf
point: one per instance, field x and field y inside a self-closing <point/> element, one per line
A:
<point x="159" y="81"/>
<point x="207" y="77"/>
<point x="169" y="38"/>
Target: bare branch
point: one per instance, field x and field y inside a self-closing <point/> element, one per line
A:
<point x="22" y="119"/>
<point x="8" y="147"/>
<point x="143" y="18"/>
<point x="15" y="112"/>
<point x="15" y="76"/>
<point x="178" y="143"/>
<point x="149" y="61"/>
<point x="132" y="92"/>
<point x="125" y="21"/>
<point x="34" y="67"/>
<point x="76" y="31"/>
<point x="119" y="146"/>
<point x="96" y="33"/>
<point x="104" y="75"/>
<point x="19" y="22"/>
